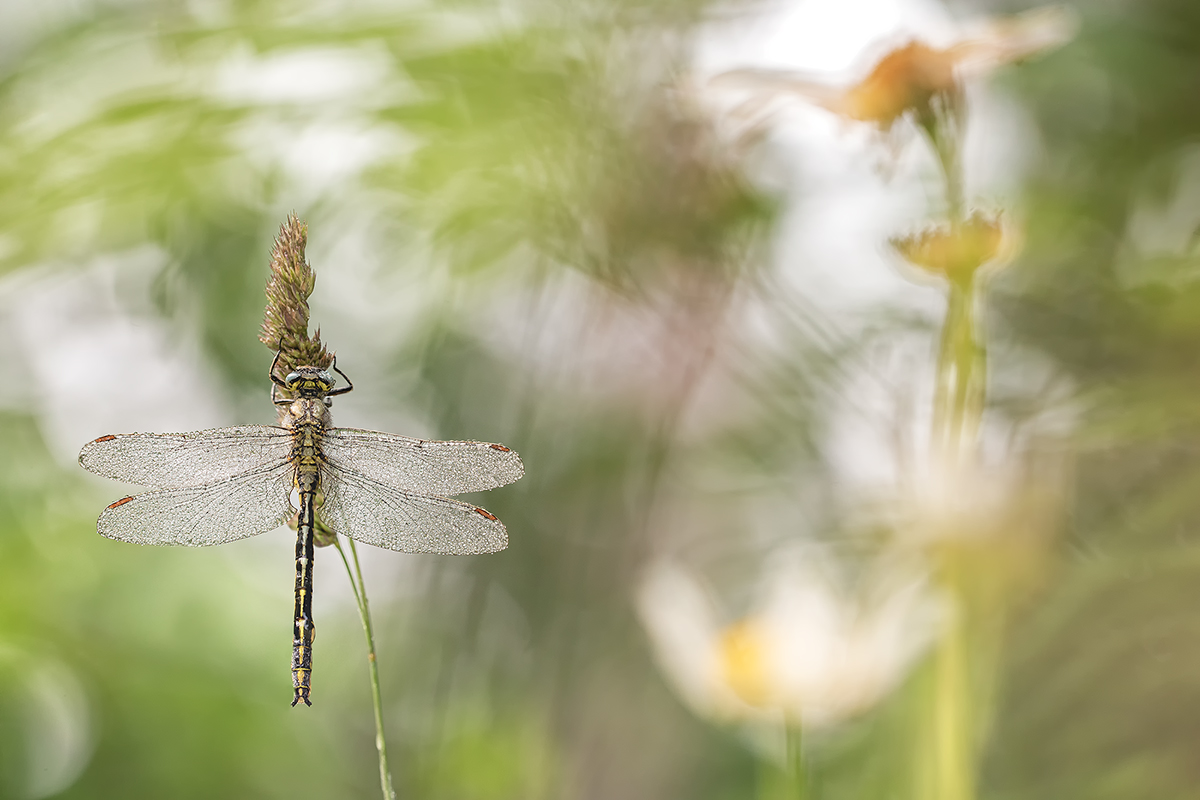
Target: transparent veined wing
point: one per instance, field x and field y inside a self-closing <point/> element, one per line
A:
<point x="214" y="513"/>
<point x="165" y="460"/>
<point x="368" y="511"/>
<point x="418" y="465"/>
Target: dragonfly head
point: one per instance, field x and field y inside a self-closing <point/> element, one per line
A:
<point x="309" y="382"/>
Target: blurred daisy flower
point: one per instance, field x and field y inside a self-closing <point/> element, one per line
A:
<point x="956" y="252"/>
<point x="915" y="77"/>
<point x="1017" y="501"/>
<point x="808" y="652"/>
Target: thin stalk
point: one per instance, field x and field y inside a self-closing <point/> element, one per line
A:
<point x="360" y="596"/>
<point x="943" y="389"/>
<point x="796" y="768"/>
<point x="958" y="407"/>
<point x="954" y="739"/>
<point x="961" y="378"/>
<point x="959" y="395"/>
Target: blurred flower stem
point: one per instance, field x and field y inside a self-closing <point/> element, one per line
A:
<point x="795" y="780"/>
<point x="285" y="328"/>
<point x="961" y="379"/>
<point x="940" y="119"/>
<point x="364" y="611"/>
<point x="959" y="393"/>
<point x="796" y="768"/>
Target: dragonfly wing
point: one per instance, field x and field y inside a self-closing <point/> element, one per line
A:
<point x="421" y="466"/>
<point x="368" y="511"/>
<point x="165" y="460"/>
<point x="214" y="513"/>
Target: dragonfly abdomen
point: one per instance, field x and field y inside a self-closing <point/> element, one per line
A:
<point x="307" y="460"/>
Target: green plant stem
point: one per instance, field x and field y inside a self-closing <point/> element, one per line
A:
<point x="795" y="780"/>
<point x="959" y="396"/>
<point x="796" y="771"/>
<point x="942" y="123"/>
<point x="360" y="595"/>
<point x="958" y="409"/>
<point x="961" y="379"/>
<point x="953" y="725"/>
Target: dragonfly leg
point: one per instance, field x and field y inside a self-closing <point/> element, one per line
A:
<point x="349" y="387"/>
<point x="276" y="381"/>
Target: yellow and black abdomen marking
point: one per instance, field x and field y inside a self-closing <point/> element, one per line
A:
<point x="304" y="631"/>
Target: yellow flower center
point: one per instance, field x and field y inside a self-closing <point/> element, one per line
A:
<point x="742" y="658"/>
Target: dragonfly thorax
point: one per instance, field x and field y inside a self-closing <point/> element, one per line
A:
<point x="306" y="412"/>
<point x="309" y="382"/>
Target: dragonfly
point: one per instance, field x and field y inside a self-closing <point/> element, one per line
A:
<point x="215" y="486"/>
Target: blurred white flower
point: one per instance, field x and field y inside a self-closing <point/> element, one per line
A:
<point x="914" y="76"/>
<point x="1018" y="501"/>
<point x="809" y="652"/>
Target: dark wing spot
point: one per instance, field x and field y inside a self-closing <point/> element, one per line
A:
<point x="478" y="511"/>
<point x="106" y="438"/>
<point x="120" y="502"/>
<point x="500" y="447"/>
